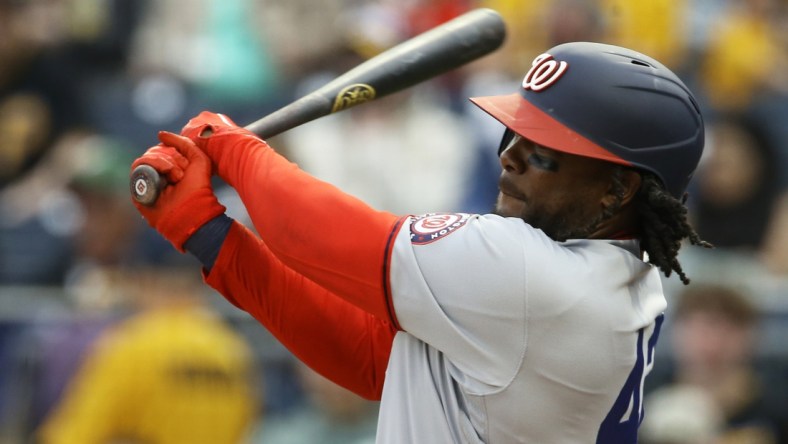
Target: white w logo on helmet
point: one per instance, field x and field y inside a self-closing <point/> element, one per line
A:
<point x="543" y="73"/>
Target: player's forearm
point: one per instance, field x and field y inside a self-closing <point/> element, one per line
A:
<point x="328" y="236"/>
<point x="340" y="341"/>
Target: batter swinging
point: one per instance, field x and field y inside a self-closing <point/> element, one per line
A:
<point x="535" y="324"/>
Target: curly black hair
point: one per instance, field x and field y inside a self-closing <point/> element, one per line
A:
<point x="664" y="225"/>
<point x="662" y="218"/>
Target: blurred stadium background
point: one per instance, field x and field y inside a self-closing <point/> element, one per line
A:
<point x="86" y="84"/>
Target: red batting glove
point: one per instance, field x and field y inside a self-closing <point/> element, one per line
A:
<point x="188" y="201"/>
<point x="206" y="124"/>
<point x="204" y="129"/>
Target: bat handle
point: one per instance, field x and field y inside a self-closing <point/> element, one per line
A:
<point x="146" y="184"/>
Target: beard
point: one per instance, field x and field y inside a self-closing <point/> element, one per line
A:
<point x="560" y="224"/>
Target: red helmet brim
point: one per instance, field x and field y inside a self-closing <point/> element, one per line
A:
<point x="530" y="122"/>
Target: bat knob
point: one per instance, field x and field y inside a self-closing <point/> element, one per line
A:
<point x="146" y="184"/>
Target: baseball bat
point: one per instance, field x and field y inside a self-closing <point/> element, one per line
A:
<point x="427" y="55"/>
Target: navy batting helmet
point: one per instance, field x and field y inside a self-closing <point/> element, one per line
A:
<point x="608" y="103"/>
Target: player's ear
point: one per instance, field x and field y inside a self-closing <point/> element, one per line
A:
<point x="630" y="184"/>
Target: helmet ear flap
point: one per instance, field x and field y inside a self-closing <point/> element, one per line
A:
<point x="508" y="135"/>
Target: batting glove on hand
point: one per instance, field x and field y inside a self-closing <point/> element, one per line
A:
<point x="207" y="131"/>
<point x="188" y="202"/>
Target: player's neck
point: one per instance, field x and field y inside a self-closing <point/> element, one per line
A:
<point x="622" y="225"/>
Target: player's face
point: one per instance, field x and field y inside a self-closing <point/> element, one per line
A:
<point x="559" y="193"/>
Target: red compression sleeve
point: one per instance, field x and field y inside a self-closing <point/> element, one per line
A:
<point x="337" y="339"/>
<point x="328" y="236"/>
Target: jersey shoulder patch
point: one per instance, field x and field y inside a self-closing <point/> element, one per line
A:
<point x="431" y="227"/>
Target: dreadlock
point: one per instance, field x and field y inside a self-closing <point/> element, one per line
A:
<point x="662" y="218"/>
<point x="664" y="225"/>
<point x="663" y="222"/>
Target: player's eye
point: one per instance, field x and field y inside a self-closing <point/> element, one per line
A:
<point x="542" y="162"/>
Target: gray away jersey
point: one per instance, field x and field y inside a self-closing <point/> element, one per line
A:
<point x="511" y="337"/>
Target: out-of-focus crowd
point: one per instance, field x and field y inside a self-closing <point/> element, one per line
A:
<point x="106" y="333"/>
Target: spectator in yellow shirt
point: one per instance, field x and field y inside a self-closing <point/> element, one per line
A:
<point x="744" y="58"/>
<point x="173" y="373"/>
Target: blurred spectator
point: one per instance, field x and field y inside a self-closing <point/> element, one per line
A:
<point x="654" y="27"/>
<point x="330" y="415"/>
<point x="424" y="15"/>
<point x="681" y="415"/>
<point x="303" y="35"/>
<point x="714" y="339"/>
<point x="38" y="217"/>
<point x="48" y="350"/>
<point x="171" y="373"/>
<point x="573" y="21"/>
<point x="700" y="19"/>
<point x="526" y="34"/>
<point x="744" y="58"/>
<point x="67" y="222"/>
<point x="425" y="147"/>
<point x="218" y="48"/>
<point x="50" y="53"/>
<point x="108" y="232"/>
<point x="774" y="254"/>
<point x="36" y="105"/>
<point x="184" y="56"/>
<point x="371" y="28"/>
<point x="70" y="212"/>
<point x="737" y="186"/>
<point x="88" y="178"/>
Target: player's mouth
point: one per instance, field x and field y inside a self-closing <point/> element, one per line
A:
<point x="507" y="189"/>
<point x="511" y="202"/>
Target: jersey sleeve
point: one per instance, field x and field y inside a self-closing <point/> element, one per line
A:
<point x="458" y="283"/>
<point x="327" y="236"/>
<point x="334" y="337"/>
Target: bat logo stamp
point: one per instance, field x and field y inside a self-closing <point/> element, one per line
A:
<point x="353" y="95"/>
<point x="141" y="186"/>
<point x="544" y="72"/>
<point x="433" y="226"/>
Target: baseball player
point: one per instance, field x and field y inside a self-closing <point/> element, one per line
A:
<point x="535" y="324"/>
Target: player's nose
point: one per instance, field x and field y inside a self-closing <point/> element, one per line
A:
<point x="512" y="160"/>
